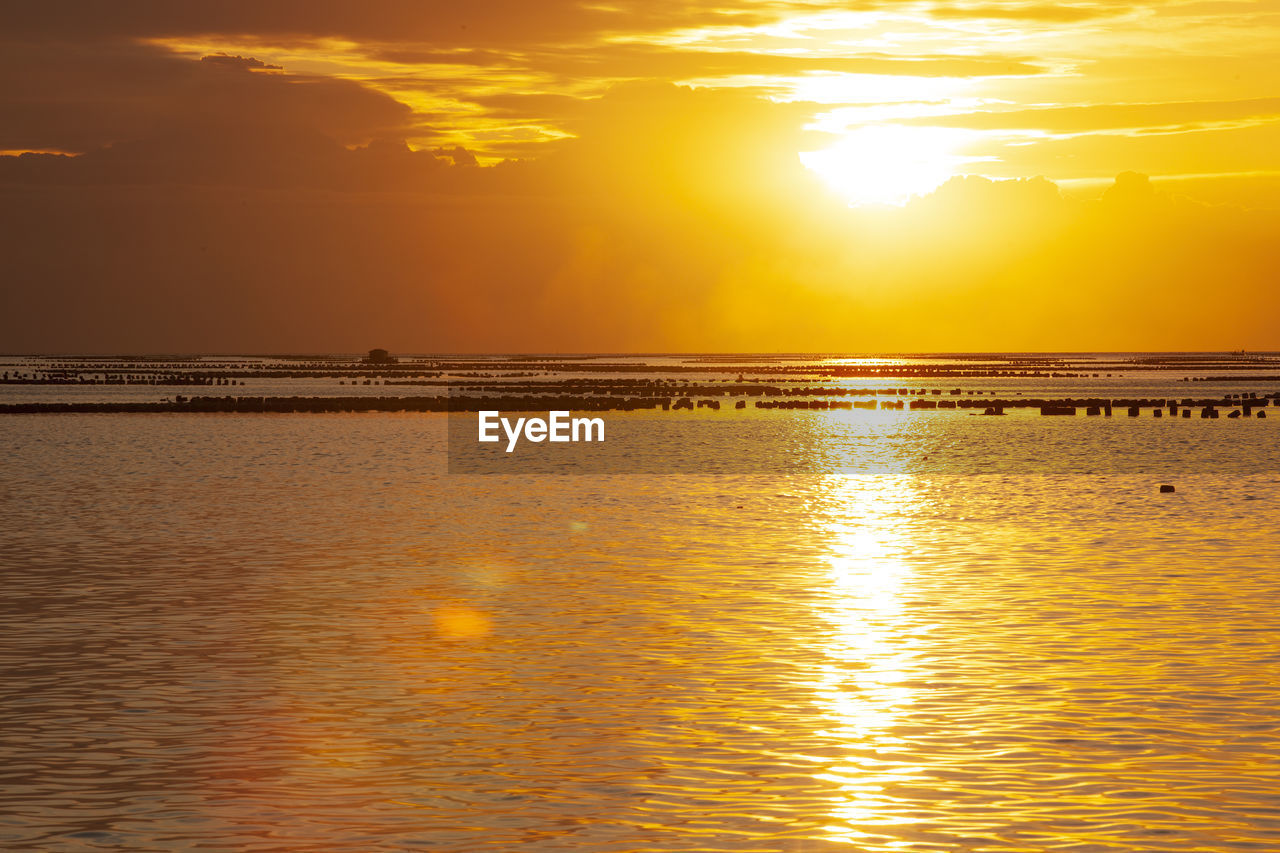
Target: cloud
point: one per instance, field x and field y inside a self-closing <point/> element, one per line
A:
<point x="268" y="157"/>
<point x="620" y="61"/>
<point x="1213" y="149"/>
<point x="671" y="223"/>
<point x="1130" y="188"/>
<point x="77" y="92"/>
<point x="79" y="97"/>
<point x="1085" y="118"/>
<point x="457" y="155"/>
<point x="1032" y="12"/>
<point x="280" y="238"/>
<point x="443" y="23"/>
<point x="222" y="60"/>
<point x="223" y="203"/>
<point x="75" y="97"/>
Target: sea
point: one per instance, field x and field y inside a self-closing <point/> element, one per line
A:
<point x="748" y="629"/>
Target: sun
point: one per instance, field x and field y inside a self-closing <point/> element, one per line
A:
<point x="888" y="164"/>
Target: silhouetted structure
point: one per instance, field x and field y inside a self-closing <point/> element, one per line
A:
<point x="380" y="356"/>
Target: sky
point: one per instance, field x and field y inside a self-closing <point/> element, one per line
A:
<point x="658" y="175"/>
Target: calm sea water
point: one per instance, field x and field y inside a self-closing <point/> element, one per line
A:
<point x="301" y="632"/>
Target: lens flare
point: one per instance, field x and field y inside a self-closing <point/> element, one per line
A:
<point x="460" y="623"/>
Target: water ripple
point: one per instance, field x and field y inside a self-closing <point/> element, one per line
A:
<point x="365" y="653"/>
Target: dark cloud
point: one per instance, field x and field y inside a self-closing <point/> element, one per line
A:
<point x="457" y="155"/>
<point x="78" y="97"/>
<point x="75" y="97"/>
<point x="642" y="139"/>
<point x="222" y="60"/>
<point x="443" y="23"/>
<point x="274" y="157"/>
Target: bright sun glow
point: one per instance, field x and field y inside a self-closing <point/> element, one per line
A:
<point x="888" y="164"/>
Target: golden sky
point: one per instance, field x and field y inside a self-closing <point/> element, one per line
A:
<point x="568" y="176"/>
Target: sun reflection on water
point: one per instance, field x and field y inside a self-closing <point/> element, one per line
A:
<point x="861" y="686"/>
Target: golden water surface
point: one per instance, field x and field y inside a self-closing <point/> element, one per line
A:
<point x="298" y="632"/>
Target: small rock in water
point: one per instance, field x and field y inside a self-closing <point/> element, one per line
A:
<point x="1166" y="489"/>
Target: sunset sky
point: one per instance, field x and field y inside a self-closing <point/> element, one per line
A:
<point x="599" y="176"/>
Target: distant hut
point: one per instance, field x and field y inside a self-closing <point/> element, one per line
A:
<point x="380" y="356"/>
